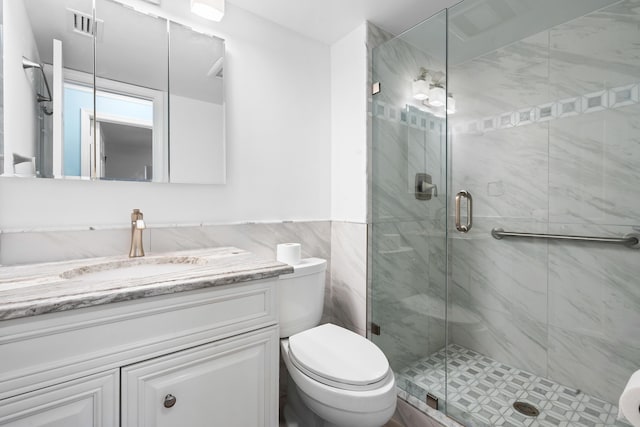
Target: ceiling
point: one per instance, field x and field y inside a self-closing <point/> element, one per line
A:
<point x="329" y="20"/>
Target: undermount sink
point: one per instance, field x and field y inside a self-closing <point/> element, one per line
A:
<point x="133" y="268"/>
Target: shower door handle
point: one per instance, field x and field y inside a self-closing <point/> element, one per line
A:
<point x="459" y="226"/>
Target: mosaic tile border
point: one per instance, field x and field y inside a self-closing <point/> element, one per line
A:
<point x="481" y="392"/>
<point x="612" y="98"/>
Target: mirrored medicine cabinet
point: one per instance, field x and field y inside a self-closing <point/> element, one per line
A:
<point x="94" y="89"/>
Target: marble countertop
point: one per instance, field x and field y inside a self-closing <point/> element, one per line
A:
<point x="29" y="290"/>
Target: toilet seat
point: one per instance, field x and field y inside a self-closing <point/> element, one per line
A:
<point x="339" y="358"/>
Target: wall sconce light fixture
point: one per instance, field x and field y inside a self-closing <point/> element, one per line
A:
<point x="428" y="88"/>
<point x="420" y="86"/>
<point x="208" y="9"/>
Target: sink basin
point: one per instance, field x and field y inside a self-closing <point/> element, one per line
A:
<point x="133" y="268"/>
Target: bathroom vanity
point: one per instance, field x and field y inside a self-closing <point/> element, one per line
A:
<point x="178" y="339"/>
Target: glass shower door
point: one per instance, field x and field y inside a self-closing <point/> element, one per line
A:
<point x="545" y="137"/>
<point x="540" y="125"/>
<point x="409" y="208"/>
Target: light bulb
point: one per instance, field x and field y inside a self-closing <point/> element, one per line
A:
<point x="420" y="88"/>
<point x="437" y="96"/>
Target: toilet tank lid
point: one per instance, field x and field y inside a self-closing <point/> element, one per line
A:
<point x="339" y="355"/>
<point x="307" y="266"/>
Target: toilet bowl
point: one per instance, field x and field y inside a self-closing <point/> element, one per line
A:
<point x="337" y="377"/>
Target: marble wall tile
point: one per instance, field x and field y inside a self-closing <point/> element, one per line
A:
<point x="594" y="305"/>
<point x="29" y="247"/>
<point x="405" y="150"/>
<point x="349" y="275"/>
<point x="259" y="238"/>
<point x="408" y="295"/>
<point x="391" y="197"/>
<point x="594" y="165"/>
<point x="507" y="79"/>
<point x="398" y="63"/>
<point x="375" y="37"/>
<point x="498" y="293"/>
<point x="506" y="171"/>
<point x="594" y="364"/>
<point x="405" y="138"/>
<point x="595" y="50"/>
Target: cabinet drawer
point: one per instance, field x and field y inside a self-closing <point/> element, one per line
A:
<point x="228" y="383"/>
<point x="89" y="401"/>
<point x="44" y="350"/>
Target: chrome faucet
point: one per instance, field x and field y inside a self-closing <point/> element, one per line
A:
<point x="137" y="225"/>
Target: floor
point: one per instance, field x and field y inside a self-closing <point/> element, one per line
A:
<point x="482" y="391"/>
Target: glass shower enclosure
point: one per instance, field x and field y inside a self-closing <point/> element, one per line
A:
<point x="509" y="116"/>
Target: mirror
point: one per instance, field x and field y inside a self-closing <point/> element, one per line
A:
<point x="156" y="112"/>
<point x="196" y="106"/>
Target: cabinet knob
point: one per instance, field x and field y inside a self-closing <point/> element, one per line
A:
<point x="169" y="401"/>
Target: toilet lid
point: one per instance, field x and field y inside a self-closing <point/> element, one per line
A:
<point x="338" y="357"/>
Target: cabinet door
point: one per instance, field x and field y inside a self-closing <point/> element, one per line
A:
<point x="87" y="401"/>
<point x="228" y="383"/>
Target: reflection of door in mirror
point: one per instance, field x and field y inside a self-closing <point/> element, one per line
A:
<point x="132" y="68"/>
<point x="126" y="134"/>
<point x="124" y="150"/>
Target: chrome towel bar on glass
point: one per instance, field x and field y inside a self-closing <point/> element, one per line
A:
<point x="464" y="228"/>
<point x="631" y="240"/>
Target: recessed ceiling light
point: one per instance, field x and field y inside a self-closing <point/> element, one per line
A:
<point x="209" y="9"/>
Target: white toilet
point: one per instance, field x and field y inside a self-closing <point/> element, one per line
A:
<point x="336" y="377"/>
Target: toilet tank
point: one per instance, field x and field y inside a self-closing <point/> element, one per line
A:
<point x="301" y="296"/>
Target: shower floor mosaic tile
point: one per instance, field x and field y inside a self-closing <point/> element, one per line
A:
<point x="482" y="392"/>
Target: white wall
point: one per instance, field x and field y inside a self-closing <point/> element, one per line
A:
<point x="349" y="131"/>
<point x="19" y="91"/>
<point x="277" y="86"/>
<point x="127" y="161"/>
<point x="199" y="128"/>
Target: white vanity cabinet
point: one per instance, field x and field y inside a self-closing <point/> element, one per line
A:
<point x="88" y="401"/>
<point x="215" y="350"/>
<point x="226" y="383"/>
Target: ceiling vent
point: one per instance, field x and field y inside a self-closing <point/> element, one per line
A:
<point x="83" y="23"/>
<point x="480" y="17"/>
